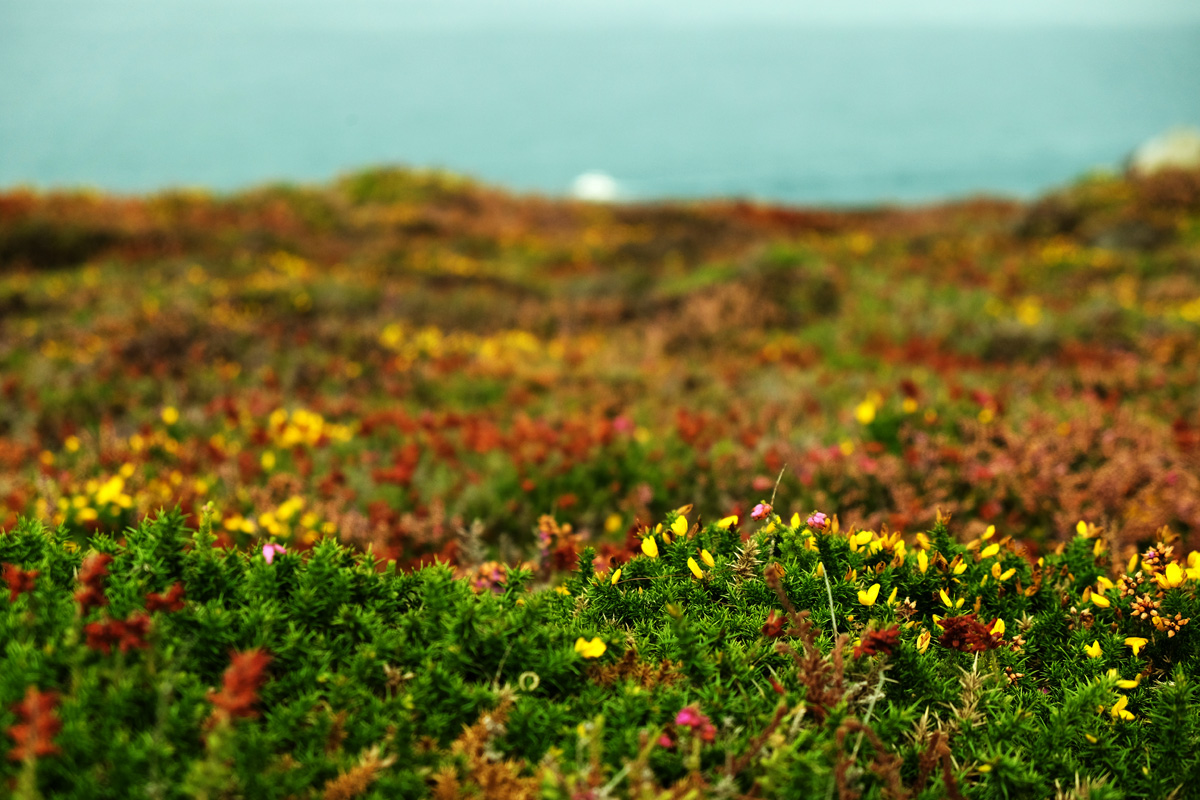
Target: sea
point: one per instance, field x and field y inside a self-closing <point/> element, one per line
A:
<point x="169" y="94"/>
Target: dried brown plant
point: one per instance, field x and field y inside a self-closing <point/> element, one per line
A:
<point x="631" y="668"/>
<point x="359" y="778"/>
<point x="485" y="772"/>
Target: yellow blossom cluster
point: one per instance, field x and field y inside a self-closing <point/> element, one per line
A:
<point x="502" y="350"/>
<point x="288" y="520"/>
<point x="99" y="498"/>
<point x="302" y="426"/>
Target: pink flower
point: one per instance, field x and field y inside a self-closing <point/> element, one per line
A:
<point x="816" y="520"/>
<point x="760" y="511"/>
<point x="270" y="549"/>
<point x="701" y="725"/>
<point x="665" y="741"/>
<point x="689" y="716"/>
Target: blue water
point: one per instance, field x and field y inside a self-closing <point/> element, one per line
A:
<point x="785" y="112"/>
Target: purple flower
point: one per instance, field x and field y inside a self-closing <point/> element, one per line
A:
<point x="760" y="511"/>
<point x="816" y="520"/>
<point x="270" y="549"/>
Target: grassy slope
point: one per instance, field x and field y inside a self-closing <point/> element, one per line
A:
<point x="456" y="353"/>
<point x="386" y="359"/>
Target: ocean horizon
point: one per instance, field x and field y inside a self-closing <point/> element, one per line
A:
<point x="780" y="112"/>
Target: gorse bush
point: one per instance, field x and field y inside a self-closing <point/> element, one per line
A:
<point x="762" y="656"/>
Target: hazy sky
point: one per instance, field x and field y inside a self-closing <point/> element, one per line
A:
<point x="843" y="11"/>
<point x="455" y="13"/>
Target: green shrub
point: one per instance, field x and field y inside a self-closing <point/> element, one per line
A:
<point x="161" y="665"/>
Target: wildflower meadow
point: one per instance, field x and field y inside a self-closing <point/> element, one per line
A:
<point x="405" y="486"/>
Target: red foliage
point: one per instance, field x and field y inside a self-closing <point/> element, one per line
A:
<point x="774" y="625"/>
<point x="171" y="601"/>
<point x="881" y="641"/>
<point x="38" y="724"/>
<point x="239" y="691"/>
<point x="18" y="580"/>
<point x="91" y="578"/>
<point x="966" y="634"/>
<point x="127" y="634"/>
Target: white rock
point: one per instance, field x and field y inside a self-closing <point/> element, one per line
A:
<point x="595" y="187"/>
<point x="1177" y="148"/>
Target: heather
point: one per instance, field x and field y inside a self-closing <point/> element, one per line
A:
<point x="407" y="486"/>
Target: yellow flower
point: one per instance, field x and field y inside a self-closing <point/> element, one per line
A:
<point x="795" y="523"/>
<point x="563" y="590"/>
<point x="868" y="596"/>
<point x="1137" y="643"/>
<point x="170" y="415"/>
<point x="990" y="550"/>
<point x="989" y="533"/>
<point x="1008" y="573"/>
<point x="727" y="522"/>
<point x="998" y="628"/>
<point x="1093" y="650"/>
<point x="865" y="412"/>
<point x="1101" y="600"/>
<point x="960" y="569"/>
<point x="695" y="568"/>
<point x="650" y="547"/>
<point x="1133" y="684"/>
<point x="616" y="576"/>
<point x="892" y="597"/>
<point x="922" y="561"/>
<point x="1172" y="577"/>
<point x="593" y="649"/>
<point x="1118" y="709"/>
<point x="945" y="598"/>
<point x="680" y="526"/>
<point x="923" y="641"/>
<point x="707" y="558"/>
